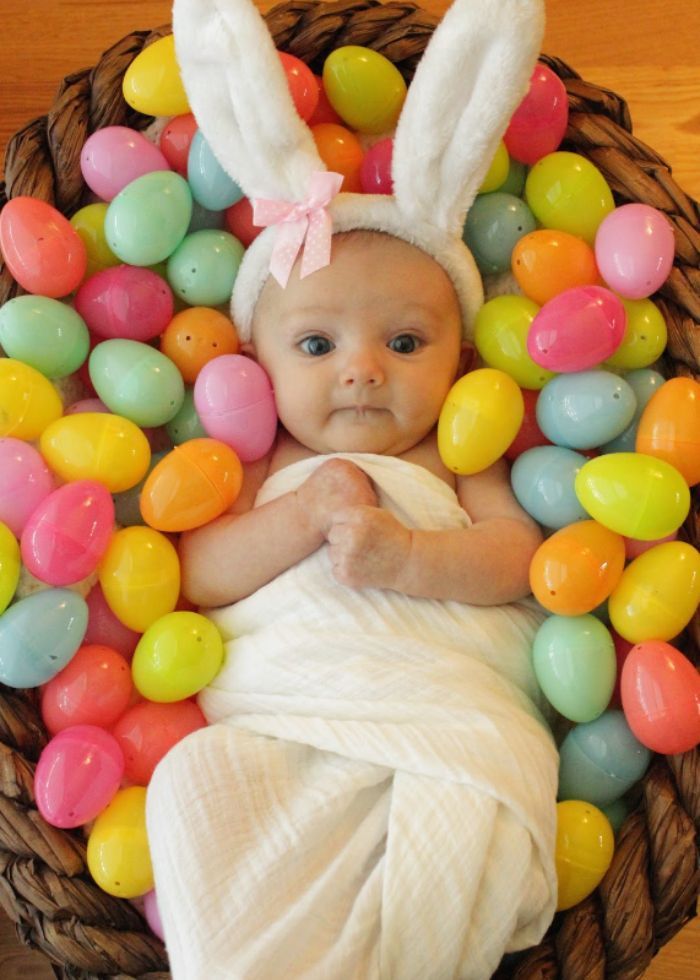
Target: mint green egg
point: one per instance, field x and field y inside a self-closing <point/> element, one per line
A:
<point x="186" y="424"/>
<point x="148" y="219"/>
<point x="136" y="381"/>
<point x="575" y="665"/>
<point x="44" y="333"/>
<point x="203" y="268"/>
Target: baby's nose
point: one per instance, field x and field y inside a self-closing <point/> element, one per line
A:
<point x="362" y="367"/>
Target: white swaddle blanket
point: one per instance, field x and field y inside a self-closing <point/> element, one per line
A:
<point x="378" y="798"/>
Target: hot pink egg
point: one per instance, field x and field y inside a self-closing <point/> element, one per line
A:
<point x="25" y="480"/>
<point x="634" y="249"/>
<point x="578" y="329"/>
<point x="43" y="251"/>
<point x="127" y="302"/>
<point x="152" y="913"/>
<point x="538" y="125"/>
<point x="114" y="156"/>
<point x="94" y="688"/>
<point x="104" y="627"/>
<point x="375" y="172"/>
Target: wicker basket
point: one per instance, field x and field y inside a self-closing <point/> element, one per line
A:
<point x="651" y="890"/>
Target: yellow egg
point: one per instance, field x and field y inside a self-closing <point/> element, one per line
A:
<point x="9" y="566"/>
<point x="152" y="82"/>
<point x="365" y="88"/>
<point x="118" y="856"/>
<point x="89" y="222"/>
<point x="584" y="849"/>
<point x="497" y="173"/>
<point x="140" y="576"/>
<point x="645" y="336"/>
<point x="28" y="400"/>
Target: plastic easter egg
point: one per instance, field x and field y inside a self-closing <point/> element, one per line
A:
<point x="44" y="333"/>
<point x="497" y="173"/>
<point x="634" y="547"/>
<point x="175" y="140"/>
<point x="567" y="192"/>
<point x="669" y="427"/>
<point x="585" y="409"/>
<point x="77" y="775"/>
<point x="537" y="126"/>
<point x="636" y="495"/>
<point x="515" y="181"/>
<point x="645" y="336"/>
<point x="204" y="220"/>
<point x="93" y="689"/>
<point x="577" y="329"/>
<point x="375" y="172"/>
<point x="66" y="536"/>
<point x="574" y="661"/>
<point x="583" y="852"/>
<point x="341" y="151"/>
<point x="634" y="249"/>
<point x="136" y="381"/>
<point x="96" y="446"/>
<point x="211" y="186"/>
<point x="127" y="510"/>
<point x="38" y="636"/>
<point x="118" y="857"/>
<point x="644" y="383"/>
<point x="89" y="222"/>
<point x="9" y="566"/>
<point x="238" y="219"/>
<point x="235" y="403"/>
<point x="105" y="629"/>
<point x="547" y="262"/>
<point x="148" y="219"/>
<point x="543" y="483"/>
<point x="192" y="485"/>
<point x="529" y="434"/>
<point x="149" y="729"/>
<point x="42" y="250"/>
<point x="479" y="420"/>
<point x="28" y="400"/>
<point x="302" y="83"/>
<point x="25" y="480"/>
<point x="125" y="302"/>
<point x="494" y="224"/>
<point x="177" y="656"/>
<point x="661" y="697"/>
<point x="365" y="88"/>
<point x="324" y="111"/>
<point x="577" y="568"/>
<point x="186" y="424"/>
<point x="196" y="336"/>
<point x="152" y="914"/>
<point x="152" y="83"/>
<point x="600" y="760"/>
<point x="501" y="327"/>
<point x="658" y="593"/>
<point x="140" y="576"/>
<point x="203" y="268"/>
<point x="114" y="156"/>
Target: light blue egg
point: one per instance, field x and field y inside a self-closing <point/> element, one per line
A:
<point x="44" y="333"/>
<point x="543" y="482"/>
<point x="203" y="269"/>
<point x="210" y="184"/>
<point x="148" y="219"/>
<point x="39" y="635"/>
<point x="137" y="381"/>
<point x="599" y="761"/>
<point x="494" y="225"/>
<point x="575" y="665"/>
<point x="202" y="218"/>
<point x="644" y="382"/>
<point x="186" y="424"/>
<point x="127" y="511"/>
<point x="616" y="813"/>
<point x="585" y="409"/>
<point x="515" y="181"/>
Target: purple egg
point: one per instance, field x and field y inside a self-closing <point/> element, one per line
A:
<point x="25" y="480"/>
<point x="125" y="302"/>
<point x="114" y="156"/>
<point x="577" y="330"/>
<point x="634" y="249"/>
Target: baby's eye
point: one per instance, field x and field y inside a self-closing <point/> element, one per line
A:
<point x="404" y="343"/>
<point x="316" y="345"/>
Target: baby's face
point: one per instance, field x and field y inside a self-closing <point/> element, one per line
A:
<point x="362" y="353"/>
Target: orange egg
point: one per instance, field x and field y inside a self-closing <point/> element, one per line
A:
<point x="196" y="482"/>
<point x="670" y="427"/>
<point x="196" y="336"/>
<point x="577" y="568"/>
<point x="546" y="262"/>
<point x="341" y="152"/>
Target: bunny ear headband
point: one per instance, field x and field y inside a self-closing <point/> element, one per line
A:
<point x="473" y="74"/>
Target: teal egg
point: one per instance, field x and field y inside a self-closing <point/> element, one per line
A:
<point x="127" y="511"/>
<point x="644" y="382"/>
<point x="585" y="409"/>
<point x="186" y="424"/>
<point x="599" y="761"/>
<point x="494" y="224"/>
<point x="136" y="381"/>
<point x="203" y="268"/>
<point x="543" y="481"/>
<point x="515" y="181"/>
<point x="44" y="333"/>
<point x="616" y="813"/>
<point x="211" y="186"/>
<point x="148" y="219"/>
<point x="202" y="218"/>
<point x="39" y="635"/>
<point x="575" y="665"/>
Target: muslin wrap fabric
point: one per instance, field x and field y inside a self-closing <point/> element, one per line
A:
<point x="375" y="796"/>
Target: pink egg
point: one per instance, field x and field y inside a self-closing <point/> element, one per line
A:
<point x="86" y="405"/>
<point x="578" y="329"/>
<point x="149" y="729"/>
<point x="25" y="480"/>
<point x="77" y="774"/>
<point x="127" y="302"/>
<point x="114" y="156"/>
<point x="538" y="125"/>
<point x="634" y="249"/>
<point x="661" y="697"/>
<point x="94" y="688"/>
<point x="634" y="547"/>
<point x="104" y="627"/>
<point x="235" y="403"/>
<point x="42" y="250"/>
<point x="152" y="913"/>
<point x="68" y="533"/>
<point x="375" y="172"/>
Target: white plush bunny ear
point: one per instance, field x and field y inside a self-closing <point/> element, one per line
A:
<point x="238" y="93"/>
<point x="472" y="76"/>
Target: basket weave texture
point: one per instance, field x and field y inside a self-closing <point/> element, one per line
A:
<point x="652" y="887"/>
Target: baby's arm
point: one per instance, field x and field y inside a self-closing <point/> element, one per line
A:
<point x="245" y="549"/>
<point x="486" y="564"/>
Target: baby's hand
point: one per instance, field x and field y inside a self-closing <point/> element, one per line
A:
<point x="334" y="486"/>
<point x="368" y="548"/>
